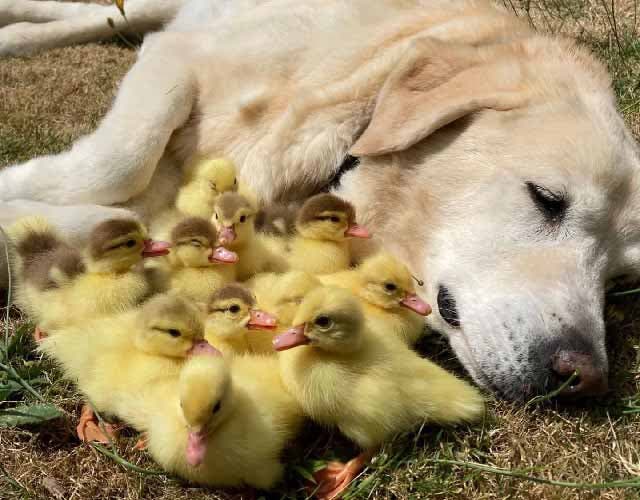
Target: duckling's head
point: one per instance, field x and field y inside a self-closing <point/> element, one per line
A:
<point x="219" y="174"/>
<point x="231" y="311"/>
<point x="289" y="292"/>
<point x="387" y="283"/>
<point x="203" y="183"/>
<point x="169" y="326"/>
<point x="205" y="393"/>
<point x="33" y="236"/>
<point x="116" y="245"/>
<point x="55" y="269"/>
<point x="47" y="261"/>
<point x="329" y="318"/>
<point x="277" y="219"/>
<point x="233" y="216"/>
<point x="194" y="244"/>
<point x="327" y="217"/>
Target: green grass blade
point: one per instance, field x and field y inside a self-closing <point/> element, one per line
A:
<point x="623" y="483"/>
<point x="28" y="415"/>
<point x="16" y="376"/>
<point x="113" y="455"/>
<point x="554" y="393"/>
<point x="10" y="286"/>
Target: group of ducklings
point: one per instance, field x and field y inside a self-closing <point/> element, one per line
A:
<point x="219" y="343"/>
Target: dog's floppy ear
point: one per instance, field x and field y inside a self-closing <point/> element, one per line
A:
<point x="434" y="84"/>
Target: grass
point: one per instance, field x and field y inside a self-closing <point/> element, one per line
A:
<point x="49" y="100"/>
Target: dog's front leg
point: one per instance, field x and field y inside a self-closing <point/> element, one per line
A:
<point x="117" y="161"/>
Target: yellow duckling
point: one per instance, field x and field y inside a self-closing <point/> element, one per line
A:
<point x="226" y="424"/>
<point x="377" y="387"/>
<point x="233" y="217"/>
<point x="280" y="294"/>
<point x="388" y="294"/>
<point x="323" y="225"/>
<point x="116" y="355"/>
<point x="197" y="266"/>
<point x="203" y="182"/>
<point x="42" y="262"/>
<point x="58" y="285"/>
<point x="231" y="315"/>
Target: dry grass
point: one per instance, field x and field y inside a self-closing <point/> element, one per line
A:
<point x="49" y="100"/>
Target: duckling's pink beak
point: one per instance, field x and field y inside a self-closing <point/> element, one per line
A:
<point x="227" y="235"/>
<point x="203" y="348"/>
<point x="293" y="337"/>
<point x="155" y="248"/>
<point x="357" y="231"/>
<point x="260" y="320"/>
<point x="221" y="255"/>
<point x="196" y="448"/>
<point x="416" y="304"/>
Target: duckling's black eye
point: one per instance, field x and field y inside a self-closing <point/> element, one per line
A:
<point x="390" y="287"/>
<point x="323" y="321"/>
<point x="243" y="218"/>
<point x="335" y="218"/>
<point x="552" y="205"/>
<point x="196" y="243"/>
<point x="235" y="308"/>
<point x="216" y="408"/>
<point x="130" y="243"/>
<point x="213" y="186"/>
<point x="216" y="216"/>
<point x="235" y="181"/>
<point x="173" y="332"/>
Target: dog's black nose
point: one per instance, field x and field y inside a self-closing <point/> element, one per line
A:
<point x="591" y="380"/>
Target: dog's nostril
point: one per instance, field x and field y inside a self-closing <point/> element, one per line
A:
<point x="572" y="377"/>
<point x="447" y="307"/>
<point x="591" y="380"/>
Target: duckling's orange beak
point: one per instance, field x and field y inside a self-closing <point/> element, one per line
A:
<point x="196" y="448"/>
<point x="221" y="255"/>
<point x="357" y="231"/>
<point x="155" y="248"/>
<point x="227" y="235"/>
<point x="416" y="304"/>
<point x="203" y="348"/>
<point x="293" y="337"/>
<point x="260" y="320"/>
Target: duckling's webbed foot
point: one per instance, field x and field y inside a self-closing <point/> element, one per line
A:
<point x="39" y="335"/>
<point x="336" y="477"/>
<point x="142" y="442"/>
<point x="89" y="430"/>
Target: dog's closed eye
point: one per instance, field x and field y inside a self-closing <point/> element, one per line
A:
<point x="552" y="205"/>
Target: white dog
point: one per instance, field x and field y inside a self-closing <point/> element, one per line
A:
<point x="492" y="159"/>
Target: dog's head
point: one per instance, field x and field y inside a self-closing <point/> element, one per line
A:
<point x="506" y="178"/>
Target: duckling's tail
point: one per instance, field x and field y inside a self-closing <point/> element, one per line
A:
<point x="446" y="399"/>
<point x="32" y="237"/>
